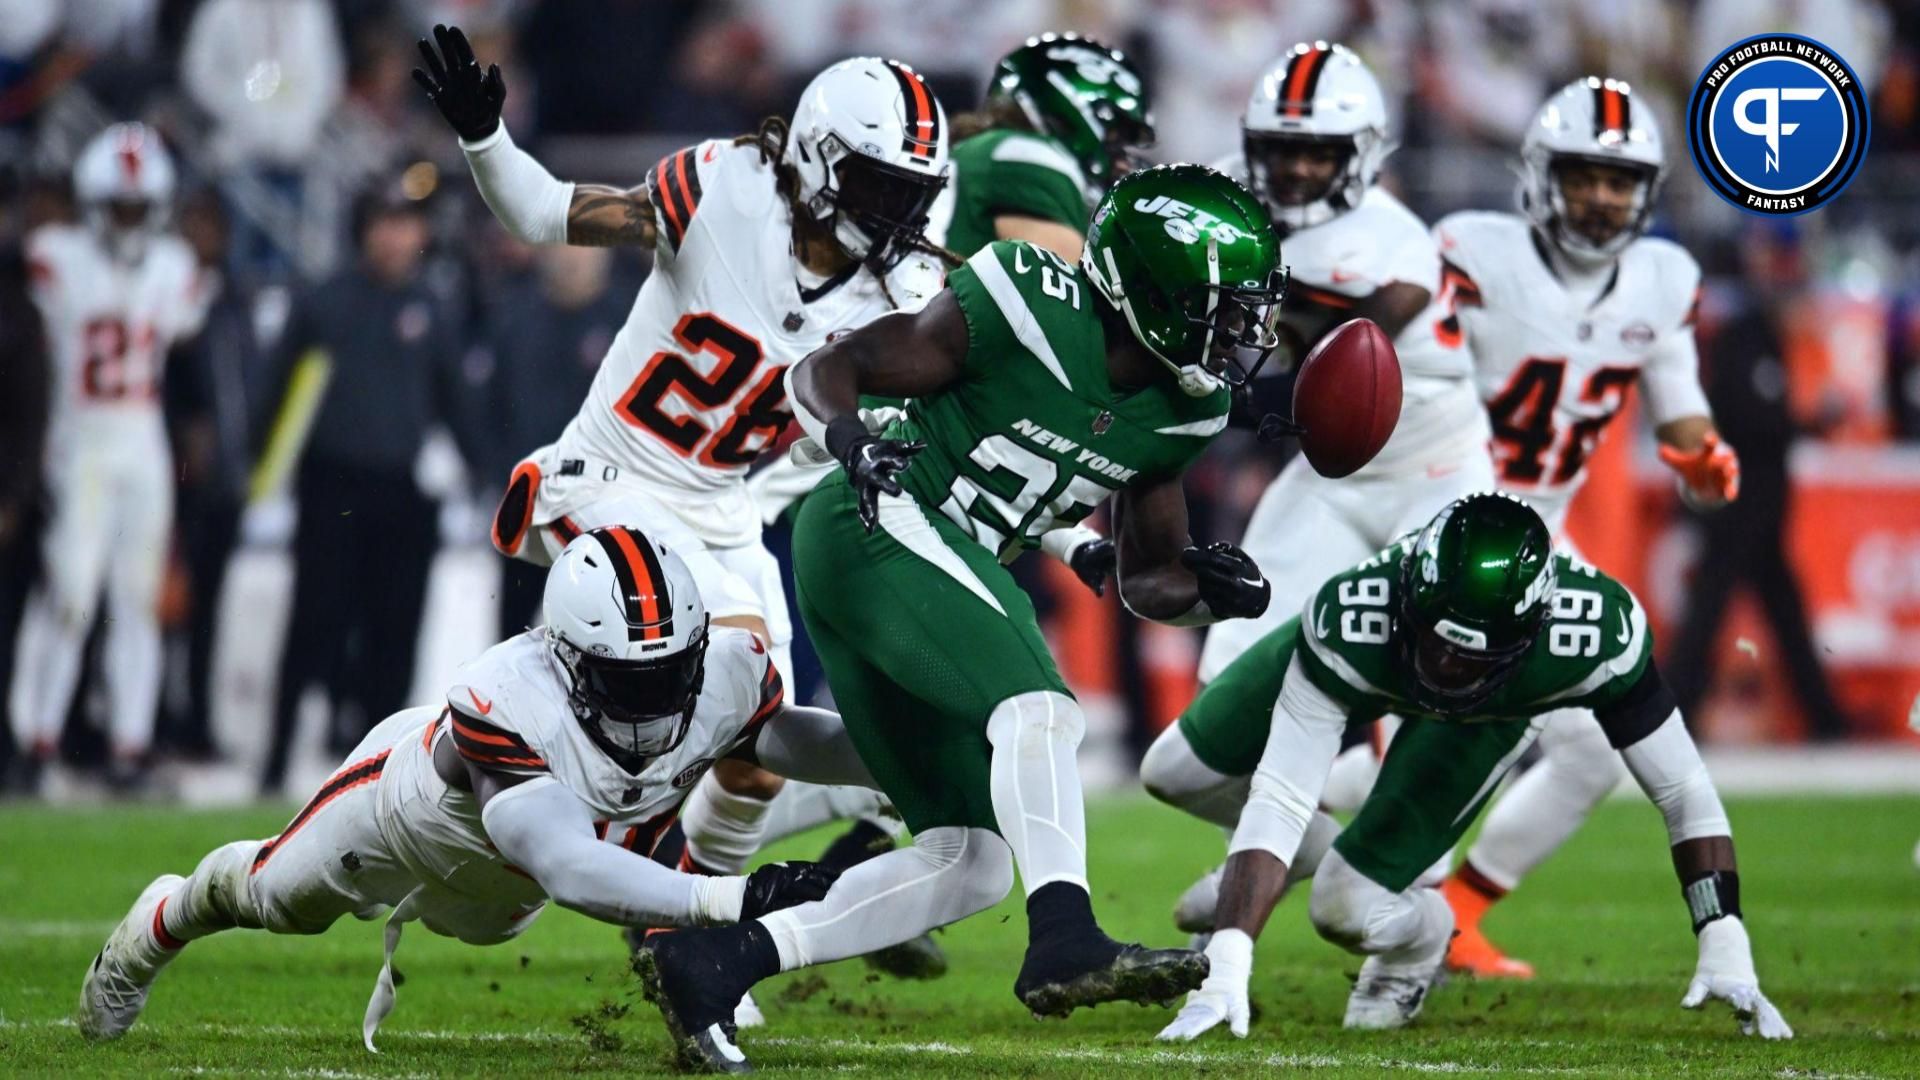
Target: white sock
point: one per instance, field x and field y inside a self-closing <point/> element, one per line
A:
<point x="1035" y="783"/>
<point x="1175" y="775"/>
<point x="217" y="896"/>
<point x="723" y="830"/>
<point x="801" y="806"/>
<point x="1549" y="802"/>
<point x="948" y="874"/>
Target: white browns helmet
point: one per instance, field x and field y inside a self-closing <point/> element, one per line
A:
<point x="1590" y="119"/>
<point x="869" y="141"/>
<point x="124" y="181"/>
<point x="625" y="619"/>
<point x="1316" y="93"/>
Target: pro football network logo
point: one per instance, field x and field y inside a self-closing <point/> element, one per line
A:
<point x="1778" y="124"/>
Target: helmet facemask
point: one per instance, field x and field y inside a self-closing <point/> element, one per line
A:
<point x="1546" y="205"/>
<point x="1294" y="207"/>
<point x="1459" y="666"/>
<point x="877" y="211"/>
<point x="125" y="225"/>
<point x="634" y="710"/>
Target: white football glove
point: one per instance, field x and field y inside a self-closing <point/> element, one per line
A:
<point x="1223" y="996"/>
<point x="1725" y="973"/>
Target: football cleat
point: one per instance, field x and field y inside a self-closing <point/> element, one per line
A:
<point x="1470" y="953"/>
<point x="115" y="989"/>
<point x="691" y="977"/>
<point x="1055" y="981"/>
<point x="1383" y="1000"/>
<point x="917" y="958"/>
<point x="1193" y="912"/>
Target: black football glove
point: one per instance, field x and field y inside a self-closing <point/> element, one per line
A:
<point x="782" y="885"/>
<point x="873" y="464"/>
<point x="1230" y="584"/>
<point x="469" y="100"/>
<point x="1093" y="561"/>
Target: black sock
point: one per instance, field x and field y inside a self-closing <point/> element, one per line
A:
<point x="758" y="953"/>
<point x="1059" y="911"/>
<point x="858" y="844"/>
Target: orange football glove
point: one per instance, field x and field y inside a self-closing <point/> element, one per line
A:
<point x="1709" y="475"/>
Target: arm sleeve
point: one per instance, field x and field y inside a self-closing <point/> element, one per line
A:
<point x="811" y="745"/>
<point x="540" y="827"/>
<point x="522" y="194"/>
<point x="1639" y="711"/>
<point x="1301" y="746"/>
<point x="1668" y="768"/>
<point x="1672" y="379"/>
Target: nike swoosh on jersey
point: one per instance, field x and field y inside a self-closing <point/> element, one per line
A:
<point x="1320" y="622"/>
<point x="1626" y="629"/>
<point x="485" y="707"/>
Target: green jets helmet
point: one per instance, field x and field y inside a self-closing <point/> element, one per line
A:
<point x="1190" y="258"/>
<point x="1473" y="596"/>
<point x="1086" y="95"/>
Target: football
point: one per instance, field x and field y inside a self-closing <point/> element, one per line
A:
<point x="1346" y="397"/>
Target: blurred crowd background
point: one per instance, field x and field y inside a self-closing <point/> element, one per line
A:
<point x="360" y="277"/>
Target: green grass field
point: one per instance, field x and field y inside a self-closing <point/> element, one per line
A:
<point x="1830" y="886"/>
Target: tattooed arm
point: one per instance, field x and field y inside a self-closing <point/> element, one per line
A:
<point x="520" y="191"/>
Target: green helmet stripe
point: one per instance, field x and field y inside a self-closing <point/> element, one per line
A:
<point x="1013" y="308"/>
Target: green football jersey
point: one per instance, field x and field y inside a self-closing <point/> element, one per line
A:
<point x="1013" y="172"/>
<point x="1032" y="436"/>
<point x="1589" y="654"/>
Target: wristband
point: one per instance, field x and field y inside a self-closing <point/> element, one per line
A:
<point x="1713" y="896"/>
<point x="844" y="433"/>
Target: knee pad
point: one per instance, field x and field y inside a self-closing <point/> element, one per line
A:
<point x="1036" y="718"/>
<point x="983" y="859"/>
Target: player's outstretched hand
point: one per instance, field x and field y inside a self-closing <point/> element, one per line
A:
<point x="1230" y="583"/>
<point x="1223" y="996"/>
<point x="1709" y="476"/>
<point x="873" y="468"/>
<point x="469" y="100"/>
<point x="782" y="885"/>
<point x="1092" y="562"/>
<point x="1725" y="973"/>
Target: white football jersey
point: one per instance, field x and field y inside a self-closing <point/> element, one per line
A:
<point x="1553" y="366"/>
<point x="692" y="390"/>
<point x="109" y="326"/>
<point x="1343" y="260"/>
<point x="508" y="710"/>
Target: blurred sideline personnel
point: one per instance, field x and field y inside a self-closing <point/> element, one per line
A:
<point x="1477" y="634"/>
<point x="214" y="393"/>
<point x="765" y="246"/>
<point x="1564" y="307"/>
<point x="367" y="534"/>
<point x="116" y="293"/>
<point x="1314" y="138"/>
<point x="545" y="335"/>
<point x="1065" y="117"/>
<point x="1038" y="390"/>
<point x="1746" y="543"/>
<point x="548" y="774"/>
<point x="24" y="385"/>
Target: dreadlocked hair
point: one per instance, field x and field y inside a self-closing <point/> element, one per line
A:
<point x="771" y="140"/>
<point x="997" y="113"/>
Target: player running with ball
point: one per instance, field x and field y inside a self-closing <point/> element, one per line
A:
<point x="1039" y="389"/>
<point x="1476" y="633"/>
